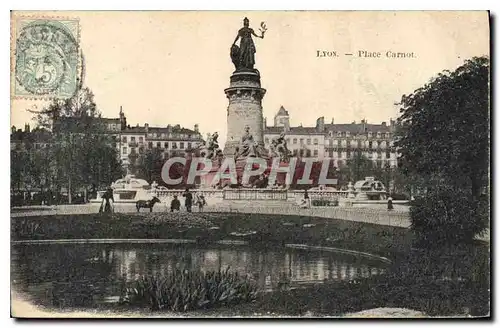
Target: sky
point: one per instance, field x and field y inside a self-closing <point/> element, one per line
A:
<point x="172" y="67"/>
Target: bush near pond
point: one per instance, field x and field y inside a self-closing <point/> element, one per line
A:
<point x="324" y="202"/>
<point x="448" y="215"/>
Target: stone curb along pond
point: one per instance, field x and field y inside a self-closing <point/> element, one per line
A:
<point x="208" y="228"/>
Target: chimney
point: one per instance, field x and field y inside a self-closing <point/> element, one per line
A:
<point x="27" y="128"/>
<point x="333" y="121"/>
<point x="146" y="127"/>
<point x="123" y="120"/>
<point x="264" y="123"/>
<point x="196" y="128"/>
<point x="320" y="124"/>
<point x="13" y="129"/>
<point x="384" y="123"/>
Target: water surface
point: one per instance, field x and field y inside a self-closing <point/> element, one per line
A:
<point x="87" y="275"/>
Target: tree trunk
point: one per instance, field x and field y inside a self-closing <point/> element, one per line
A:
<point x="69" y="189"/>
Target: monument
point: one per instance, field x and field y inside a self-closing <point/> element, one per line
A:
<point x="244" y="112"/>
<point x="244" y="120"/>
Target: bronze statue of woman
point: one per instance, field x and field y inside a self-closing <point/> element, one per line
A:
<point x="244" y="56"/>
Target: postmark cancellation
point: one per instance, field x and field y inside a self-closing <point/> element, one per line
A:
<point x="46" y="57"/>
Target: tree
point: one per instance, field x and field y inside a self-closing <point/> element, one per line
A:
<point x="443" y="131"/>
<point x="357" y="168"/>
<point x="83" y="150"/>
<point x="443" y="138"/>
<point x="18" y="161"/>
<point x="149" y="165"/>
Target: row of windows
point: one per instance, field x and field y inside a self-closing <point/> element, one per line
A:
<point x="169" y="135"/>
<point x="382" y="135"/>
<point x="305" y="152"/>
<point x="182" y="145"/>
<point x="359" y="143"/>
<point x="353" y="143"/>
<point x="154" y="135"/>
<point x="301" y="140"/>
<point x="349" y="154"/>
<point x="164" y="155"/>
<point x="376" y="163"/>
<point x="132" y="139"/>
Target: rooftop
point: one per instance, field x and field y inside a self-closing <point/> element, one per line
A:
<point x="153" y="129"/>
<point x="282" y="111"/>
<point x="357" y="128"/>
<point x="352" y="128"/>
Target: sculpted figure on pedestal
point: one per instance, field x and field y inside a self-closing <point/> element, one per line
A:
<point x="248" y="146"/>
<point x="243" y="57"/>
<point x="210" y="149"/>
<point x="279" y="148"/>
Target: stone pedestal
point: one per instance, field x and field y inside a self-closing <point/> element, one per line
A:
<point x="245" y="109"/>
<point x="206" y="180"/>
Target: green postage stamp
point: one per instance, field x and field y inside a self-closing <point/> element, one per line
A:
<point x="46" y="57"/>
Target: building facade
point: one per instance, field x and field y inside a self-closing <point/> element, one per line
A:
<point x="130" y="141"/>
<point x="133" y="141"/>
<point x="338" y="142"/>
<point x="170" y="141"/>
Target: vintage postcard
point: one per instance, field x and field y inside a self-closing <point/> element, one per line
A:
<point x="260" y="164"/>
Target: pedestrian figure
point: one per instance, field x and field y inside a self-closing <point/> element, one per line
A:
<point x="106" y="205"/>
<point x="175" y="205"/>
<point x="306" y="198"/>
<point x="389" y="204"/>
<point x="189" y="200"/>
<point x="201" y="202"/>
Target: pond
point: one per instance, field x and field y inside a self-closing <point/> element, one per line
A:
<point x="88" y="275"/>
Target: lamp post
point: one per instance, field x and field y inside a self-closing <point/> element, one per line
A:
<point x="388" y="177"/>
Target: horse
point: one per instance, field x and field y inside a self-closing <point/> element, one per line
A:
<point x="147" y="204"/>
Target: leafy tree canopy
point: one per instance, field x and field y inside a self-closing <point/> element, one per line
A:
<point x="444" y="127"/>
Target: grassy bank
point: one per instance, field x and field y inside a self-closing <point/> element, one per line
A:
<point x="265" y="230"/>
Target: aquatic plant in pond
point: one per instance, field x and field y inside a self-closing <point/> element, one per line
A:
<point x="183" y="290"/>
<point x="27" y="227"/>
